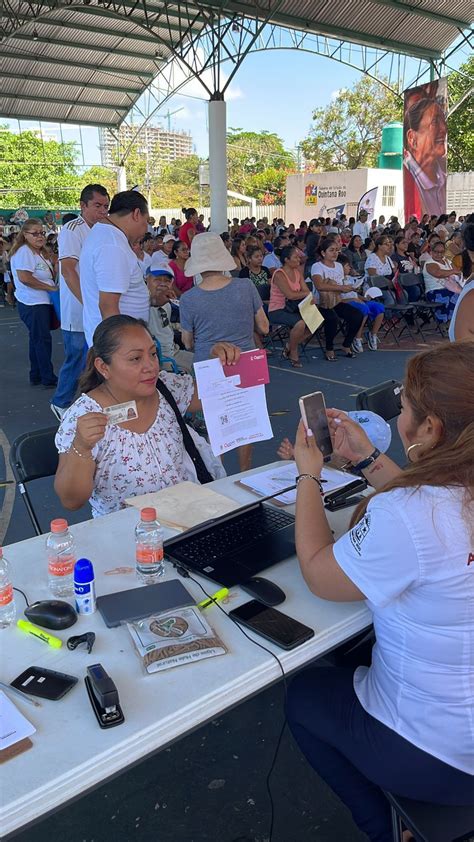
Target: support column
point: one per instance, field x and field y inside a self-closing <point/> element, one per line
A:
<point x="218" y="162"/>
<point x="121" y="178"/>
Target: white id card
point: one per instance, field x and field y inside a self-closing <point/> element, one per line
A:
<point x="120" y="412"/>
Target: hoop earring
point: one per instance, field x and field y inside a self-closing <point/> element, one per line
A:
<point x="409" y="449"/>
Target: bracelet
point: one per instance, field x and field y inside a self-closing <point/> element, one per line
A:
<point x="310" y="476"/>
<point x="78" y="453"/>
<point x="361" y="466"/>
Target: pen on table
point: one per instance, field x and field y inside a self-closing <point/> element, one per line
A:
<point x="19" y="693"/>
<point x="217" y="595"/>
<point x="35" y="631"/>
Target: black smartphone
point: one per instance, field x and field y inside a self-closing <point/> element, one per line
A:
<point x="313" y="413"/>
<point x="272" y="624"/>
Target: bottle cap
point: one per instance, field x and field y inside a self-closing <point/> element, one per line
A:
<point x="148" y="514"/>
<point x="83" y="571"/>
<point x="59" y="525"/>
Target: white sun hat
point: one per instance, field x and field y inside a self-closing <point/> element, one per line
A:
<point x="208" y="254"/>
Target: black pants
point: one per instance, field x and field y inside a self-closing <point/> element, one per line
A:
<point x="350" y="315"/>
<point x="37" y="318"/>
<point x="358" y="756"/>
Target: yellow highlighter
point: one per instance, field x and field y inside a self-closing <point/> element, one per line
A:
<point x="29" y="628"/>
<point x="217" y="595"/>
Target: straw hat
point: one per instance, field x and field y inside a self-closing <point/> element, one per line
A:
<point x="208" y="254"/>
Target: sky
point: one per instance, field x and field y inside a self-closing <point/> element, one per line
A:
<point x="274" y="91"/>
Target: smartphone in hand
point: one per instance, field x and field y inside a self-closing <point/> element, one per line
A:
<point x="313" y="413"/>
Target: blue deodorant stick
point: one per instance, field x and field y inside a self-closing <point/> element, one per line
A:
<point x="84" y="586"/>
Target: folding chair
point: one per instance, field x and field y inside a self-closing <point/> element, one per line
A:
<point x="33" y="456"/>
<point x="395" y="314"/>
<point x="430" y="822"/>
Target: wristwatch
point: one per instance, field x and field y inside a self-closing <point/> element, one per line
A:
<point x="361" y="466"/>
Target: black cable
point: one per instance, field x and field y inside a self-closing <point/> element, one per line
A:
<point x="186" y="575"/>
<point x="23" y="595"/>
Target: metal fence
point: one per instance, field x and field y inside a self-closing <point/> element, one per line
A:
<point x="239" y="212"/>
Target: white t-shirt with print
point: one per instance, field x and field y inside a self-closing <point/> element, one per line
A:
<point x="413" y="558"/>
<point x="27" y="260"/>
<point x="108" y="264"/>
<point x="373" y="262"/>
<point x="72" y="237"/>
<point x="130" y="463"/>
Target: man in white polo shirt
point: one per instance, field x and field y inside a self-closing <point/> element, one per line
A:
<point x="361" y="227"/>
<point x="94" y="202"/>
<point x="111" y="276"/>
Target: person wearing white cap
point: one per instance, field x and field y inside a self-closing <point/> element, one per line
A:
<point x="162" y="257"/>
<point x="221" y="308"/>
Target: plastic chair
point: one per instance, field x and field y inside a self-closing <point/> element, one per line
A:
<point x="33" y="456"/>
<point x="166" y="360"/>
<point x="430" y="822"/>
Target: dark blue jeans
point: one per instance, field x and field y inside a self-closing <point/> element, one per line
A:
<point x="37" y="318"/>
<point x="358" y="756"/>
<point x="75" y="352"/>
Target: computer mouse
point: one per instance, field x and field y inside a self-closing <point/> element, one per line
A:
<point x="51" y="614"/>
<point x="264" y="590"/>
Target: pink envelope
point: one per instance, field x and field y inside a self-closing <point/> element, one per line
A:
<point x="252" y="367"/>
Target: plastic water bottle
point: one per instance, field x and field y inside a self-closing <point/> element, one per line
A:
<point x="7" y="602"/>
<point x="84" y="586"/>
<point x="149" y="548"/>
<point x="61" y="559"/>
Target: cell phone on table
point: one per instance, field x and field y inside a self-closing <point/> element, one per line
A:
<point x="313" y="413"/>
<point x="272" y="624"/>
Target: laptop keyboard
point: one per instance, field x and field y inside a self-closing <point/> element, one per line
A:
<point x="224" y="538"/>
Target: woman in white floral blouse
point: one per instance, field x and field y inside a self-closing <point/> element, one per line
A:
<point x="104" y="462"/>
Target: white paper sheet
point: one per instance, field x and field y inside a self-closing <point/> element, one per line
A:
<point x="13" y="725"/>
<point x="234" y="416"/>
<point x="268" y="482"/>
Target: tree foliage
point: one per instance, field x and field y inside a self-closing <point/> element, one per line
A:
<point x="347" y="133"/>
<point x="461" y="122"/>
<point x="252" y="154"/>
<point x="36" y="172"/>
<point x="100" y="175"/>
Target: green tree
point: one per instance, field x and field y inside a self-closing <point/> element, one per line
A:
<point x="346" y="134"/>
<point x="251" y="153"/>
<point x="269" y="184"/>
<point x="100" y="175"/>
<point x="461" y="121"/>
<point x="178" y="184"/>
<point x="36" y="172"/>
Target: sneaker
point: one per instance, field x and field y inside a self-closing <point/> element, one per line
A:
<point x="357" y="346"/>
<point x="58" y="411"/>
<point x="373" y="342"/>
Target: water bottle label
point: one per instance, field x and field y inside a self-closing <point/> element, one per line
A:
<point x="147" y="555"/>
<point x="6" y="595"/>
<point x="61" y="565"/>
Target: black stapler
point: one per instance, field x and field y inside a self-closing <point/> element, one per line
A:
<point x="103" y="697"/>
<point x="345" y="497"/>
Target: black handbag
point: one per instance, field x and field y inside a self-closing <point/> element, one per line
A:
<point x="203" y="474"/>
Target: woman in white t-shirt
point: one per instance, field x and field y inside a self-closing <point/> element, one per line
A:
<point x="33" y="275"/>
<point x="441" y="282"/>
<point x="379" y="262"/>
<point x="403" y="725"/>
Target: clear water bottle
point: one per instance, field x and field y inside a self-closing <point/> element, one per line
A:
<point x="61" y="559"/>
<point x="149" y="547"/>
<point x="7" y="602"/>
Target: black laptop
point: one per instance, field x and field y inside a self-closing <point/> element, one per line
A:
<point x="231" y="549"/>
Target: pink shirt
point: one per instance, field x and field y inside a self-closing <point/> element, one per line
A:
<point x="277" y="297"/>
<point x="182" y="281"/>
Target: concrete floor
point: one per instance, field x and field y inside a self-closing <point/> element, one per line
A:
<point x="209" y="787"/>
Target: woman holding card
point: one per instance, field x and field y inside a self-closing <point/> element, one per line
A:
<point x="121" y="437"/>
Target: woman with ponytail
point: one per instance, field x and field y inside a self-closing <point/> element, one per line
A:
<point x="106" y="462"/>
<point x="403" y="724"/>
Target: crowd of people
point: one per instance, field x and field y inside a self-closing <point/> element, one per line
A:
<point x="137" y="299"/>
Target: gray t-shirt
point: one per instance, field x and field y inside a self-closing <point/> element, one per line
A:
<point x="220" y="315"/>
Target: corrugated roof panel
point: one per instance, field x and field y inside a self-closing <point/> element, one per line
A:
<point x="102" y="39"/>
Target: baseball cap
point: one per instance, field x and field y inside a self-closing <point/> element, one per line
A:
<point x="168" y="237"/>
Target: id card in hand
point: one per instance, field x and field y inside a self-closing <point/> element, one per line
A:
<point x="121" y="412"/>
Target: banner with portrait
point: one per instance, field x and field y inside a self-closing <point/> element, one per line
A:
<point x="425" y="149"/>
